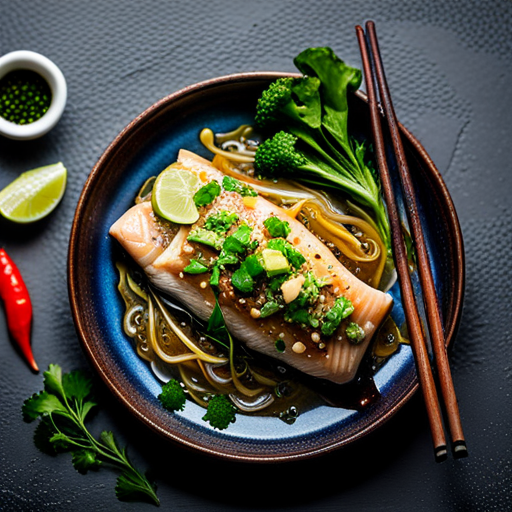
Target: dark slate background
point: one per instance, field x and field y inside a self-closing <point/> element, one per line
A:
<point x="449" y="67"/>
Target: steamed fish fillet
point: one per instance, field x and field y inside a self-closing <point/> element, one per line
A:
<point x="163" y="253"/>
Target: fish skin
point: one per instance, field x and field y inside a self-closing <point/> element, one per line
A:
<point x="337" y="362"/>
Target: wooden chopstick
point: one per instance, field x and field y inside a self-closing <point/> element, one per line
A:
<point x="375" y="77"/>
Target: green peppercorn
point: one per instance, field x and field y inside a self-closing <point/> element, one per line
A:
<point x="24" y="96"/>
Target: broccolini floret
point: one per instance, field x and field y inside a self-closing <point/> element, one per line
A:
<point x="220" y="412"/>
<point x="173" y="396"/>
<point x="306" y="119"/>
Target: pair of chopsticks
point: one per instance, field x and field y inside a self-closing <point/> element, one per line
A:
<point x="376" y="79"/>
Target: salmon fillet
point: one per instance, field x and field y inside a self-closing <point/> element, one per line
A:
<point x="163" y="251"/>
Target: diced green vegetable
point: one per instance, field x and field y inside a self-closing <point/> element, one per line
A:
<point x="341" y="309"/>
<point x="233" y="185"/>
<point x="277" y="227"/>
<point x="195" y="267"/>
<point x="274" y="262"/>
<point x="206" y="237"/>
<point x="207" y="194"/>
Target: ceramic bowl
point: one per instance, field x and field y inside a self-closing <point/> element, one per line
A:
<point x="53" y="75"/>
<point x="144" y="148"/>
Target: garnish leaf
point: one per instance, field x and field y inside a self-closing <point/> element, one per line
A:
<point x="76" y="385"/>
<point x="132" y="486"/>
<point x="62" y="407"/>
<point x="85" y="460"/>
<point x="53" y="380"/>
<point x="41" y="403"/>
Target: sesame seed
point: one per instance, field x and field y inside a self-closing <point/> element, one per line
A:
<point x="315" y="337"/>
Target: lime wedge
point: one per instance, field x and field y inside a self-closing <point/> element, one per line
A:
<point x="173" y="195"/>
<point x="34" y="194"/>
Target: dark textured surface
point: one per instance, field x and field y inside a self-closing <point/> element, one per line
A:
<point x="449" y="69"/>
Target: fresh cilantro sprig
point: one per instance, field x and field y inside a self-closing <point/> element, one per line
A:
<point x="63" y="406"/>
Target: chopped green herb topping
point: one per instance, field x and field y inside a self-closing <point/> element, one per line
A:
<point x="297" y="316"/>
<point x="253" y="265"/>
<point x="355" y="333"/>
<point x="215" y="277"/>
<point x="233" y="185"/>
<point x="206" y="237"/>
<point x="275" y="284"/>
<point x="269" y="308"/>
<point x="220" y="222"/>
<point x="227" y="258"/>
<point x="341" y="309"/>
<point x="295" y="258"/>
<point x="277" y="227"/>
<point x="242" y="280"/>
<point x="239" y="241"/>
<point x="195" y="267"/>
<point x="207" y="194"/>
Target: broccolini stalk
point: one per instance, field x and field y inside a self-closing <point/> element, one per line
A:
<point x="308" y="118"/>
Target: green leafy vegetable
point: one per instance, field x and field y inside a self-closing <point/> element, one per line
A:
<point x="220" y="412"/>
<point x="233" y="185"/>
<point x="253" y="265"/>
<point x="206" y="237"/>
<point x="215" y="276"/>
<point x="239" y="241"/>
<point x="207" y="194"/>
<point x="340" y="310"/>
<point x="216" y="328"/>
<point x="277" y="227"/>
<point x="308" y="119"/>
<point x="173" y="396"/>
<point x="242" y="280"/>
<point x="62" y="407"/>
<point x="195" y="267"/>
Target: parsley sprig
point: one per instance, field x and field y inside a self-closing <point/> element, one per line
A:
<point x="63" y="406"/>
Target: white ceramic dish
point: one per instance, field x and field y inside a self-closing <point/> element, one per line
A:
<point x="53" y="75"/>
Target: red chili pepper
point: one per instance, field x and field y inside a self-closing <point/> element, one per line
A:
<point x="18" y="306"/>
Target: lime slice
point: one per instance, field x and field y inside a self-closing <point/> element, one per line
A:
<point x="34" y="194"/>
<point x="173" y="195"/>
